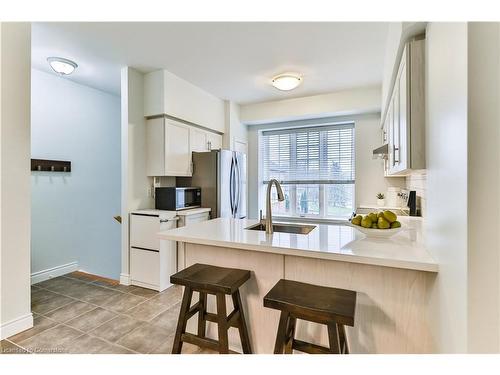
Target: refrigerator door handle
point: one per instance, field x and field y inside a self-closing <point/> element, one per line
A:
<point x="231" y="187"/>
<point x="238" y="180"/>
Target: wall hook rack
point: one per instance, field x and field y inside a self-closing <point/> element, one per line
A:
<point x="43" y="165"/>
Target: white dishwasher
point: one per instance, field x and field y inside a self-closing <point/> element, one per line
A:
<point x="152" y="261"/>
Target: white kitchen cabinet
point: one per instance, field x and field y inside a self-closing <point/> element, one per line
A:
<point x="168" y="148"/>
<point x="202" y="140"/>
<point x="152" y="261"/>
<point x="170" y="144"/>
<point x="405" y="117"/>
<point x="198" y="139"/>
<point x="214" y="141"/>
<point x="167" y="94"/>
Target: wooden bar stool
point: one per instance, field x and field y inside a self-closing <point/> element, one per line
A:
<point x="331" y="306"/>
<point x="220" y="282"/>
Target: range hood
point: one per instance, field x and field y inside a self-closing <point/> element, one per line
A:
<point x="381" y="152"/>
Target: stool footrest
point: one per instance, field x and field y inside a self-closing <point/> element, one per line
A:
<point x="203" y="342"/>
<point x="307" y="347"/>
<point x="232" y="319"/>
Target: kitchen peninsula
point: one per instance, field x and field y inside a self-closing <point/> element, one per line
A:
<point x="393" y="278"/>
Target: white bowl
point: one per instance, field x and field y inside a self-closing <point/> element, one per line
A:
<point x="381" y="233"/>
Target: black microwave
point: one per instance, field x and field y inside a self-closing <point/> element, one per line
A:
<point x="177" y="198"/>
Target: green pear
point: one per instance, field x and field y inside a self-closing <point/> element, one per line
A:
<point x="396" y="224"/>
<point x="366" y="222"/>
<point x="390" y="216"/>
<point x="383" y="223"/>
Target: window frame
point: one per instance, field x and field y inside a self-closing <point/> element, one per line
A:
<point x="322" y="193"/>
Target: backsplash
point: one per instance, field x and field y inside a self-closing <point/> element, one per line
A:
<point x="417" y="181"/>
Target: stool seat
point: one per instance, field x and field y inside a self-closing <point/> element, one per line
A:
<point x="321" y="304"/>
<point x="212" y="279"/>
<point x="219" y="281"/>
<point x="330" y="306"/>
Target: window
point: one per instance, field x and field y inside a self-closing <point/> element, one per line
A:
<point x="315" y="166"/>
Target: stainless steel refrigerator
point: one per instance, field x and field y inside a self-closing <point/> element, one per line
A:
<point x="222" y="176"/>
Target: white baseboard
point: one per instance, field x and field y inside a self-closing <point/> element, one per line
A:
<point x="16" y="325"/>
<point x="150" y="286"/>
<point x="39" y="276"/>
<point x="124" y="279"/>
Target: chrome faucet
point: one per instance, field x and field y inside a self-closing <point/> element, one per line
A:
<point x="281" y="198"/>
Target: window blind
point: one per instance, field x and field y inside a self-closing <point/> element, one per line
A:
<point x="309" y="155"/>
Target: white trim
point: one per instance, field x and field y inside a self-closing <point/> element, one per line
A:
<point x="39" y="276"/>
<point x="16" y="325"/>
<point x="142" y="284"/>
<point x="124" y="279"/>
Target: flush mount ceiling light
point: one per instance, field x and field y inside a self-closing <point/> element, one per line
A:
<point x="287" y="81"/>
<point x="62" y="66"/>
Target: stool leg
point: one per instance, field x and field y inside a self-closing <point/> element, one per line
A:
<point x="222" y="323"/>
<point x="333" y="338"/>
<point x="242" y="326"/>
<point x="182" y="322"/>
<point x="343" y="339"/>
<point x="281" y="334"/>
<point x="290" y="335"/>
<point x="202" y="323"/>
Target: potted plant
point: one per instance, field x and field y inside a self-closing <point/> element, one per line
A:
<point x="380" y="199"/>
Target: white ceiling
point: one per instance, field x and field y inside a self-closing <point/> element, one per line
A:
<point x="234" y="61"/>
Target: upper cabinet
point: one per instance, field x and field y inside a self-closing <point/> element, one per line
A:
<point x="404" y="125"/>
<point x="170" y="143"/>
<point x="167" y="94"/>
<point x="168" y="148"/>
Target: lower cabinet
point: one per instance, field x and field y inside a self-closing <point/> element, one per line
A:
<point x="152" y="261"/>
<point x="185" y="220"/>
<point x="145" y="268"/>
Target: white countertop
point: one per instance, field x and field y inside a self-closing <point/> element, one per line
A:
<point x="193" y="211"/>
<point x="186" y="212"/>
<point x="333" y="242"/>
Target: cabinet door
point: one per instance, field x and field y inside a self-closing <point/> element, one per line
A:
<point x="403" y="145"/>
<point x="143" y="231"/>
<point x="177" y="149"/>
<point x="155" y="147"/>
<point x="390" y="137"/>
<point x="198" y="139"/>
<point x="145" y="268"/>
<point x="214" y="141"/>
<point x="396" y="144"/>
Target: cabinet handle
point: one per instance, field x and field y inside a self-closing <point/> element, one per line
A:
<point x="396" y="160"/>
<point x="209" y="146"/>
<point x="167" y="220"/>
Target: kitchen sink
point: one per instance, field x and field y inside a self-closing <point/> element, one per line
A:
<point x="285" y="228"/>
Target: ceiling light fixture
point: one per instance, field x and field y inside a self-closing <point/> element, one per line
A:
<point x="62" y="66"/>
<point x="287" y="81"/>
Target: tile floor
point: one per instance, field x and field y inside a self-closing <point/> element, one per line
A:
<point x="82" y="313"/>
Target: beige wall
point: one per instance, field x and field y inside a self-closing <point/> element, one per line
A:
<point x="340" y="103"/>
<point x="235" y="131"/>
<point x="15" y="68"/>
<point x="370" y="178"/>
<point x="446" y="152"/>
<point x="483" y="181"/>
